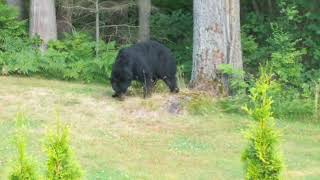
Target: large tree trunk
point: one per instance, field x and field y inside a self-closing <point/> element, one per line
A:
<point x="19" y="5"/>
<point x="43" y="20"/>
<point x="97" y="28"/>
<point x="233" y="34"/>
<point x="216" y="41"/>
<point x="64" y="17"/>
<point x="144" y="14"/>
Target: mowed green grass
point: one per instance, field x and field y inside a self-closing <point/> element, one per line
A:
<point x="139" y="139"/>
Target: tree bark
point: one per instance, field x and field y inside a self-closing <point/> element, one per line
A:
<point x="270" y="7"/>
<point x="216" y="41"/>
<point x="144" y="15"/>
<point x="43" y="20"/>
<point x="19" y="5"/>
<point x="97" y="28"/>
<point x="255" y="7"/>
<point x="233" y="34"/>
<point x="64" y="17"/>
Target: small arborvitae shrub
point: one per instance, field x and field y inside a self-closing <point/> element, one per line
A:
<point x="24" y="168"/>
<point x="261" y="157"/>
<point x="61" y="164"/>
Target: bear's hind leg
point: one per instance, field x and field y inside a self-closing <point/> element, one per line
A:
<point x="147" y="88"/>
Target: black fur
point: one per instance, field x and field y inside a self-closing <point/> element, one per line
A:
<point x="145" y="62"/>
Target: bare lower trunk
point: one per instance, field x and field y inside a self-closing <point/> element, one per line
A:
<point x="43" y="20"/>
<point x="256" y="7"/>
<point x="144" y="14"/>
<point x="209" y="50"/>
<point x="270" y="7"/>
<point x="233" y="34"/>
<point x="19" y="5"/>
<point x="97" y="29"/>
<point x="234" y="52"/>
<point x="64" y="17"/>
<point x="216" y="40"/>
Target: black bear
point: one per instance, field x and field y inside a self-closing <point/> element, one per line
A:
<point x="145" y="62"/>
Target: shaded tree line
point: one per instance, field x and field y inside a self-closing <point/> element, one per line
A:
<point x="45" y="22"/>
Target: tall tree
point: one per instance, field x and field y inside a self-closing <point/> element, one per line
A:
<point x="216" y="41"/>
<point x="19" y="5"/>
<point x="64" y="17"/>
<point x="233" y="34"/>
<point x="144" y="15"/>
<point x="97" y="27"/>
<point x="43" y="20"/>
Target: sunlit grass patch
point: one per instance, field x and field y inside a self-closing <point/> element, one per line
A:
<point x="108" y="173"/>
<point x="184" y="144"/>
<point x="138" y="138"/>
<point x="150" y="104"/>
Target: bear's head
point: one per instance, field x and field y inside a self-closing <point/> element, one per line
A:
<point x="121" y="76"/>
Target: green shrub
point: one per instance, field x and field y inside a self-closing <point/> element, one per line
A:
<point x="19" y="56"/>
<point x="261" y="157"/>
<point x="233" y="104"/>
<point x="74" y="59"/>
<point x="24" y="168"/>
<point x="10" y="26"/>
<point x="236" y="82"/>
<point x="61" y="163"/>
<point x="15" y="50"/>
<point x="290" y="104"/>
<point x="285" y="58"/>
<point x="25" y="62"/>
<point x="294" y="38"/>
<point x="316" y="100"/>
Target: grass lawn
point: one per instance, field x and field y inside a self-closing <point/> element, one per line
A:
<point x="139" y="139"/>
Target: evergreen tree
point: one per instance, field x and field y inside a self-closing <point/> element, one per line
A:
<point x="24" y="168"/>
<point x="61" y="164"/>
<point x="261" y="157"/>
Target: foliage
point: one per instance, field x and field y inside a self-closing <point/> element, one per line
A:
<point x="285" y="58"/>
<point x="174" y="5"/>
<point x="294" y="44"/>
<point x="261" y="156"/>
<point x="24" y="168"/>
<point x="236" y="81"/>
<point x="20" y="56"/>
<point x="316" y="100"/>
<point x="286" y="37"/>
<point x="233" y="104"/>
<point x="70" y="59"/>
<point x="16" y="53"/>
<point x="9" y="25"/>
<point x="291" y="104"/>
<point x="74" y="59"/>
<point x="61" y="163"/>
